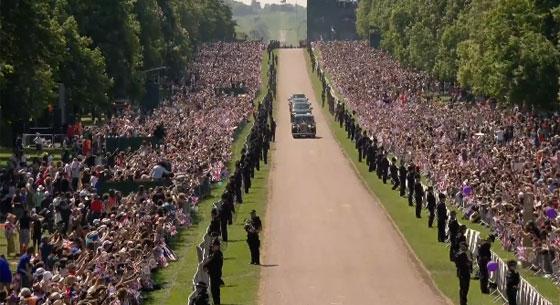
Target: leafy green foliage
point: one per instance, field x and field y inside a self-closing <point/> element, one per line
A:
<point x="505" y="49"/>
<point x="97" y="49"/>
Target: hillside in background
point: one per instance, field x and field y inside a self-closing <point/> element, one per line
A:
<point x="284" y="22"/>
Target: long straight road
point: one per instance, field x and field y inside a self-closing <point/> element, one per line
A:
<point x="327" y="240"/>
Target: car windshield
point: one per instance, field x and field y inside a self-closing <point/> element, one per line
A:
<point x="301" y="106"/>
<point x="304" y="119"/>
<point x="299" y="101"/>
<point x="299" y="96"/>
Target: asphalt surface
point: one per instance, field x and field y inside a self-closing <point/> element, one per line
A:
<point x="326" y="238"/>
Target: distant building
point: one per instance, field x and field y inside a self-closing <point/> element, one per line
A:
<point x="331" y="20"/>
<point x="255" y="4"/>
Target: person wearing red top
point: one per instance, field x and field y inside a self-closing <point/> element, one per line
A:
<point x="96" y="207"/>
<point x="86" y="147"/>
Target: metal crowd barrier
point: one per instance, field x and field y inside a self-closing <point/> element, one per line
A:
<point x="527" y="294"/>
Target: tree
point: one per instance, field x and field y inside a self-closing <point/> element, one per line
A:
<point x="31" y="46"/>
<point x="82" y="70"/>
<point x="511" y="59"/>
<point x="149" y="15"/>
<point x="505" y="49"/>
<point x="113" y="27"/>
<point x="217" y="22"/>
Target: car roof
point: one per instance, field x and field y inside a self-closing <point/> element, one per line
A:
<point x="303" y="115"/>
<point x="299" y="100"/>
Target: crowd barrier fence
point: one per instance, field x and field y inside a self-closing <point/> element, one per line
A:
<point x="123" y="143"/>
<point x="527" y="294"/>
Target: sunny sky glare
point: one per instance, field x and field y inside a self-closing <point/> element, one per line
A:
<point x="263" y="2"/>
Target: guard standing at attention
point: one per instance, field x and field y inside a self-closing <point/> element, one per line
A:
<point x="402" y="179"/>
<point x="484" y="255"/>
<point x="453" y="229"/>
<point x="431" y="206"/>
<point x="253" y="228"/>
<point x="226" y="215"/>
<point x="246" y="170"/>
<point x="238" y="182"/>
<point x="214" y="227"/>
<point x="418" y="197"/>
<point x="410" y="180"/>
<point x="201" y="297"/>
<point x="441" y="218"/>
<point x="372" y="156"/>
<point x="464" y="269"/>
<point x="214" y="268"/>
<point x="384" y="168"/>
<point x="272" y="130"/>
<point x="394" y="173"/>
<point x="512" y="282"/>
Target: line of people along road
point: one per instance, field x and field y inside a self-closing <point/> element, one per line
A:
<point x="255" y="151"/>
<point x="407" y="180"/>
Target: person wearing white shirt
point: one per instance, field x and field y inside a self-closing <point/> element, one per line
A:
<point x="158" y="171"/>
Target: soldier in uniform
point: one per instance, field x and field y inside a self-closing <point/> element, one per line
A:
<point x="402" y="179"/>
<point x="214" y="227"/>
<point x="237" y="182"/>
<point x="384" y="167"/>
<point x="453" y="229"/>
<point x="431" y="206"/>
<point x="226" y="215"/>
<point x="441" y="210"/>
<point x="394" y="173"/>
<point x="464" y="269"/>
<point x="265" y="145"/>
<point x="512" y="282"/>
<point x="380" y="156"/>
<point x="411" y="180"/>
<point x="360" y="143"/>
<point x="201" y="297"/>
<point x="484" y="255"/>
<point x="272" y="130"/>
<point x="418" y="197"/>
<point x="246" y="171"/>
<point x="372" y="156"/>
<point x="253" y="228"/>
<point x="214" y="266"/>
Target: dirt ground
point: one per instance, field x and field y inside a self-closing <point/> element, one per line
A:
<point x="326" y="238"/>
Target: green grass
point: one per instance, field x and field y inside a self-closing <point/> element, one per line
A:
<point x="423" y="240"/>
<point x="6" y="154"/>
<point x="241" y="278"/>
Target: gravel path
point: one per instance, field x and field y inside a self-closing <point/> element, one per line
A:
<point x="327" y="240"/>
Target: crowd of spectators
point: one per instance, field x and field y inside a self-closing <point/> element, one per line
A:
<point x="81" y="247"/>
<point x="491" y="160"/>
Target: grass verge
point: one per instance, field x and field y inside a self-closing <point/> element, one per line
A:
<point x="241" y="278"/>
<point x="423" y="240"/>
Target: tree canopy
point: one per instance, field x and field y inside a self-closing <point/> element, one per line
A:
<point x="504" y="49"/>
<point x="97" y="49"/>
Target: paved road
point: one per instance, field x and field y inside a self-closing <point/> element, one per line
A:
<point x="327" y="239"/>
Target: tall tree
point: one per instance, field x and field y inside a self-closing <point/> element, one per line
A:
<point x="31" y="47"/>
<point x="113" y="27"/>
<point x="149" y="15"/>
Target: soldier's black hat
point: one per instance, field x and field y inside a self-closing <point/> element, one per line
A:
<point x="253" y="211"/>
<point x="512" y="263"/>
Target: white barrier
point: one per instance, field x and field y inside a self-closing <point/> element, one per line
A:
<point x="527" y="294"/>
